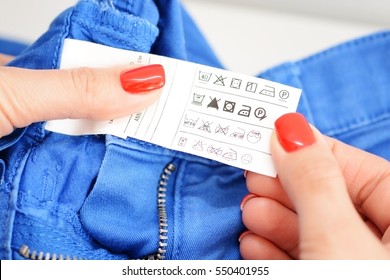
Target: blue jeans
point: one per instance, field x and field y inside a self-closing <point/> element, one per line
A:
<point x="101" y="197"/>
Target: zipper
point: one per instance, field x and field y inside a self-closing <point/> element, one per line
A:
<point x="25" y="251"/>
<point x="162" y="213"/>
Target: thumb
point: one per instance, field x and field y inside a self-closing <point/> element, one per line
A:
<point x="92" y="93"/>
<point x="329" y="225"/>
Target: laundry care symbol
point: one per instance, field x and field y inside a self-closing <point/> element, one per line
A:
<point x="222" y="130"/>
<point x="197" y="99"/>
<point x="213" y="103"/>
<point x="236" y="83"/>
<point x="220" y="81"/>
<point x="251" y="87"/>
<point x="206" y="126"/>
<point x="190" y="122"/>
<point x="229" y="106"/>
<point x="204" y="76"/>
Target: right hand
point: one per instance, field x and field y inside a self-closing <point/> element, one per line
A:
<point x="330" y="200"/>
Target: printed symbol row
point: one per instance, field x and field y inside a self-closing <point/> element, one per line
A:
<point x="216" y="151"/>
<point x="254" y="136"/>
<point x="235" y="83"/>
<point x="230" y="106"/>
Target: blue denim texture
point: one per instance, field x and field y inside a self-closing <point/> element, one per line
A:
<point x="95" y="197"/>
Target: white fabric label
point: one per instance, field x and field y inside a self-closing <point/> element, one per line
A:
<point x="204" y="111"/>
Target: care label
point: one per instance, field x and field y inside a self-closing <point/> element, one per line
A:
<point x="204" y="111"/>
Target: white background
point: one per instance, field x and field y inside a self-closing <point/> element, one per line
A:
<point x="247" y="35"/>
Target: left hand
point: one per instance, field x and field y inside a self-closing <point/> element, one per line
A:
<point x="29" y="96"/>
<point x="4" y="59"/>
<point x="330" y="201"/>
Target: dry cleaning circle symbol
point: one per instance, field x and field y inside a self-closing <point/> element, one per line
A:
<point x="284" y="94"/>
<point x="260" y="113"/>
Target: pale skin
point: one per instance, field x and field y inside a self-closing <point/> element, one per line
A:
<point x="330" y="200"/>
<point x="29" y="96"/>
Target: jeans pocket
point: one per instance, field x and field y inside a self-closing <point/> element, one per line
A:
<point x="121" y="212"/>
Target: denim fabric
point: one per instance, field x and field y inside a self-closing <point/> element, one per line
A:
<point x="346" y="91"/>
<point x="11" y="47"/>
<point x="95" y="197"/>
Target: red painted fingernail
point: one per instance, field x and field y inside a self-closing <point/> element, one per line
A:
<point x="294" y="132"/>
<point x="242" y="235"/>
<point x="246" y="199"/>
<point x="143" y="79"/>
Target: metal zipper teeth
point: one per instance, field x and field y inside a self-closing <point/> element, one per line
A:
<point x="163" y="227"/>
<point x="162" y="211"/>
<point x="25" y="251"/>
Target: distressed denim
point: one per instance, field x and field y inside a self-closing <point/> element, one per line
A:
<point x="99" y="197"/>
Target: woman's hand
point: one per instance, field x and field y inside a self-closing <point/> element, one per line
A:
<point x="330" y="200"/>
<point x="29" y="96"/>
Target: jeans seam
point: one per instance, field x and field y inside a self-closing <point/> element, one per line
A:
<point x="92" y="28"/>
<point x="65" y="31"/>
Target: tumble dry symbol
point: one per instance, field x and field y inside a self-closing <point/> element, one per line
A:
<point x="229" y="106"/>
<point x="216" y="151"/>
<point x="221" y="130"/>
<point x="236" y="83"/>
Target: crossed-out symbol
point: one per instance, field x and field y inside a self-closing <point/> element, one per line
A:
<point x="220" y="80"/>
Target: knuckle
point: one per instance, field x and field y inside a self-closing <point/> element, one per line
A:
<point x="85" y="87"/>
<point x="84" y="80"/>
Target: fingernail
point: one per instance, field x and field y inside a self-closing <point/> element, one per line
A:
<point x="143" y="79"/>
<point x="245" y="173"/>
<point x="294" y="132"/>
<point x="246" y="199"/>
<point x="242" y="235"/>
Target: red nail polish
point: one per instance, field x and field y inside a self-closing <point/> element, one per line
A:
<point x="143" y="79"/>
<point x="246" y="199"/>
<point x="293" y="132"/>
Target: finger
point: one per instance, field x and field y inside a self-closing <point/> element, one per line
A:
<point x="367" y="177"/>
<point x="329" y="225"/>
<point x="266" y="186"/>
<point x="272" y="221"/>
<point x="99" y="94"/>
<point x="4" y="59"/>
<point x="254" y="247"/>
